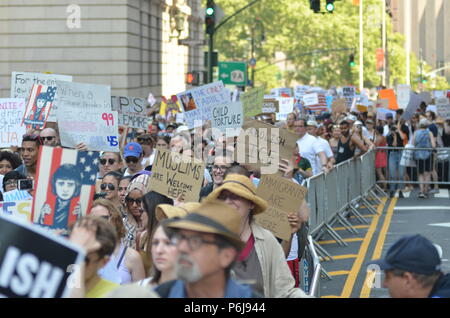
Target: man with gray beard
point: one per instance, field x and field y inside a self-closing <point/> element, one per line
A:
<point x="208" y="243"/>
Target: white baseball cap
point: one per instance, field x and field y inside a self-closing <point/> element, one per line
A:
<point x="311" y="123"/>
<point x="351" y="117"/>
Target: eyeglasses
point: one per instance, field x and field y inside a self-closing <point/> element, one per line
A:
<point x="194" y="242"/>
<point x="138" y="201"/>
<point x="223" y="168"/>
<point x="48" y="138"/>
<point x="110" y="161"/>
<point x="110" y="186"/>
<point x="131" y="160"/>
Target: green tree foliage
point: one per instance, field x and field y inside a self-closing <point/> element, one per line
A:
<point x="307" y="38"/>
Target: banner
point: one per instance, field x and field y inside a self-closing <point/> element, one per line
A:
<point x="177" y="176"/>
<point x="227" y="116"/>
<point x="403" y="94"/>
<point x="97" y="129"/>
<point x="33" y="263"/>
<point x="21" y="82"/>
<point x="81" y="95"/>
<point x="283" y="196"/>
<point x="131" y="111"/>
<point x="12" y="111"/>
<point x="443" y="107"/>
<point x="20" y="210"/>
<point x="65" y="188"/>
<point x="252" y="101"/>
<point x="39" y="106"/>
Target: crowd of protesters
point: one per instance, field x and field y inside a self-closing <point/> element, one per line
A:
<point x="214" y="248"/>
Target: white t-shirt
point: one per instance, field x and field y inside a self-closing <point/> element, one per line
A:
<point x="385" y="130"/>
<point x="148" y="161"/>
<point x="310" y="148"/>
<point x="327" y="149"/>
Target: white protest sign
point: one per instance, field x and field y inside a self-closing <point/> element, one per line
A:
<point x="20" y="210"/>
<point x="438" y="94"/>
<point x="131" y="110"/>
<point x="81" y="95"/>
<point x="382" y="112"/>
<point x="97" y="129"/>
<point x="21" y="82"/>
<point x="349" y="93"/>
<point x="431" y="108"/>
<point x="426" y="97"/>
<point x="11" y="114"/>
<point x="281" y="92"/>
<point x="310" y="99"/>
<point x="227" y="116"/>
<point x="300" y="90"/>
<point x="443" y="107"/>
<point x="17" y="195"/>
<point x="286" y="106"/>
<point x="403" y="94"/>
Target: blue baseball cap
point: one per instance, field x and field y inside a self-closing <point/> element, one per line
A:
<point x="411" y="253"/>
<point x="132" y="149"/>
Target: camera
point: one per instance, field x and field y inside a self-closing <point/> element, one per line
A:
<point x="25" y="184"/>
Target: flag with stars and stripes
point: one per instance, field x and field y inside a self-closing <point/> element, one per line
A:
<point x="65" y="186"/>
<point x="38" y="107"/>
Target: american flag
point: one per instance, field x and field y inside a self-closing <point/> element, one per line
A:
<point x="84" y="166"/>
<point x="39" y="123"/>
<point x="322" y="102"/>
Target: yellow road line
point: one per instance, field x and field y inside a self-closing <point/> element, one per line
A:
<point x="366" y="289"/>
<point x="330" y="296"/>
<point x="338" y="273"/>
<point x="351" y="279"/>
<point x="356" y="239"/>
<point x="354" y="226"/>
<point x="364" y="216"/>
<point x="345" y="256"/>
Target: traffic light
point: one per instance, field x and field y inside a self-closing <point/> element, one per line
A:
<point x="351" y="60"/>
<point x="315" y="5"/>
<point x="210" y="17"/>
<point x="193" y="78"/>
<point x="330" y="6"/>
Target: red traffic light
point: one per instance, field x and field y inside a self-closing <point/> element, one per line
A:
<point x="193" y="78"/>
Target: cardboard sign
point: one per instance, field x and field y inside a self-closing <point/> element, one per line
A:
<point x="131" y="111"/>
<point x="252" y="101"/>
<point x="34" y="264"/>
<point x="227" y="116"/>
<point x="175" y="175"/>
<point x="403" y="94"/>
<point x="81" y="95"/>
<point x="97" y="129"/>
<point x="22" y="82"/>
<point x="20" y="210"/>
<point x="39" y="106"/>
<point x="270" y="106"/>
<point x="286" y="107"/>
<point x="382" y="103"/>
<point x="283" y="196"/>
<point x="12" y="111"/>
<point x="443" y="107"/>
<point x="339" y="106"/>
<point x="64" y="184"/>
<point x="389" y="94"/>
<point x="262" y="145"/>
<point x="382" y="112"/>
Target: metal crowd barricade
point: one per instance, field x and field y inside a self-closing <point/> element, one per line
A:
<point x="339" y="192"/>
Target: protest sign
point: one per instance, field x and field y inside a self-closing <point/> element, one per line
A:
<point x="443" y="107"/>
<point x="300" y="91"/>
<point x="382" y="112"/>
<point x="310" y="99"/>
<point x="131" y="111"/>
<point x="227" y="116"/>
<point x="252" y="101"/>
<point x="339" y="106"/>
<point x="389" y="94"/>
<point x="403" y="94"/>
<point x="81" y="95"/>
<point x="271" y="105"/>
<point x="426" y="97"/>
<point x="414" y="102"/>
<point x="281" y="92"/>
<point x="20" y="210"/>
<point x="33" y="263"/>
<point x="12" y="111"/>
<point x="349" y="94"/>
<point x="175" y="176"/>
<point x="97" y="129"/>
<point x="382" y="103"/>
<point x="262" y="145"/>
<point x="438" y="94"/>
<point x="286" y="105"/>
<point x="16" y="195"/>
<point x="65" y="186"/>
<point x="283" y="196"/>
<point x="329" y="101"/>
<point x="169" y="108"/>
<point x="21" y="82"/>
<point x="39" y="106"/>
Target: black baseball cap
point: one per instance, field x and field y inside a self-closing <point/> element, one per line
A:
<point x="411" y="253"/>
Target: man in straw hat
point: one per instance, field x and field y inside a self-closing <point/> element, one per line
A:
<point x="208" y="243"/>
<point x="262" y="260"/>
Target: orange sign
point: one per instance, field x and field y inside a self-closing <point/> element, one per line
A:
<point x="390" y="96"/>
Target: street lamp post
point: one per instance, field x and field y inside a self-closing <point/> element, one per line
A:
<point x="253" y="29"/>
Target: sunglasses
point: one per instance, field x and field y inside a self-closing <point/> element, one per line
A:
<point x="144" y="140"/>
<point x="48" y="138"/>
<point x="131" y="160"/>
<point x="110" y="161"/>
<point x="131" y="200"/>
<point x="110" y="186"/>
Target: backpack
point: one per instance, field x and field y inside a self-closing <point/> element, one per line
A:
<point x="422" y="141"/>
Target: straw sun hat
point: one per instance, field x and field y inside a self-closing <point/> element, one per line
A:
<point x="243" y="187"/>
<point x="215" y="217"/>
<point x="168" y="211"/>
